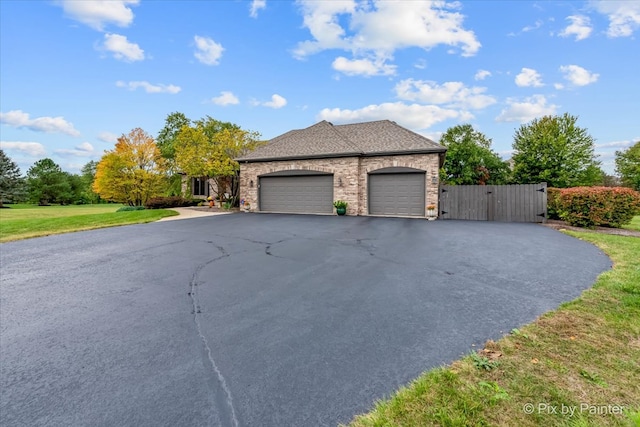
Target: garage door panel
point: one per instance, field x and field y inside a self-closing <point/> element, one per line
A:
<point x="297" y="194"/>
<point x="397" y="194"/>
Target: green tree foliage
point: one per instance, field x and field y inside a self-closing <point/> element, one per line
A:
<point x="470" y="160"/>
<point x="553" y="149"/>
<point x="133" y="172"/>
<point x="47" y="183"/>
<point x="628" y="166"/>
<point x="173" y="124"/>
<point x="208" y="148"/>
<point x="166" y="143"/>
<point x="11" y="183"/>
<point x="87" y="176"/>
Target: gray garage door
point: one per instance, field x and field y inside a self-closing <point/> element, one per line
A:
<point x="396" y="194"/>
<point x="297" y="194"/>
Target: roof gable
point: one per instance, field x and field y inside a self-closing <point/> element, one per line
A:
<point x="324" y="140"/>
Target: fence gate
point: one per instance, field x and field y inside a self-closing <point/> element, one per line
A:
<point x="509" y="203"/>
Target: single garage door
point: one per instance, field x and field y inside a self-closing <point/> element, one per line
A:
<point x="297" y="194"/>
<point x="396" y="194"/>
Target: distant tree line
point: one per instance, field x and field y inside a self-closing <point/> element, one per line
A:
<point x="46" y="183"/>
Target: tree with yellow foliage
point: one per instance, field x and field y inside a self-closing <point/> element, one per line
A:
<point x="208" y="149"/>
<point x="133" y="172"/>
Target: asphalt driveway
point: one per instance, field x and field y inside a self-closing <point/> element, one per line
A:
<point x="261" y="320"/>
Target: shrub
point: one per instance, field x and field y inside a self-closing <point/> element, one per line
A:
<point x="170" y="202"/>
<point x="553" y="203"/>
<point x="340" y="204"/>
<point x="594" y="206"/>
<point x="130" y="208"/>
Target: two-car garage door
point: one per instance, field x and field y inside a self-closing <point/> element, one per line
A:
<point x="297" y="194"/>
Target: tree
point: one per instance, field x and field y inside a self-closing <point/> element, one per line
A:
<point x="87" y="176"/>
<point x="47" y="183"/>
<point x="628" y="166"/>
<point x="553" y="149"/>
<point x="173" y="124"/>
<point x="166" y="143"/>
<point x="470" y="160"/>
<point x="208" y="149"/>
<point x="133" y="172"/>
<point x="11" y="183"/>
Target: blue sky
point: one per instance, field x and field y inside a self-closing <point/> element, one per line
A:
<point x="74" y="75"/>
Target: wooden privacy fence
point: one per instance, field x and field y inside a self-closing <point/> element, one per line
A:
<point x="510" y="203"/>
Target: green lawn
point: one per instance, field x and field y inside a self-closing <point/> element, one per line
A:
<point x="581" y="357"/>
<point x="635" y="224"/>
<point x="25" y="221"/>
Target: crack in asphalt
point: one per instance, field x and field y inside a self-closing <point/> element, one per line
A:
<point x="267" y="249"/>
<point x="226" y="407"/>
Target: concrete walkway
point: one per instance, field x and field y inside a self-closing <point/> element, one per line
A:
<point x="189" y="213"/>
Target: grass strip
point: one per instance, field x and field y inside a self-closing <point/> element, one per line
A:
<point x="24" y="228"/>
<point x="634" y="225"/>
<point x="576" y="366"/>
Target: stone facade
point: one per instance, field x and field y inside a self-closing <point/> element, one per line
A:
<point x="350" y="176"/>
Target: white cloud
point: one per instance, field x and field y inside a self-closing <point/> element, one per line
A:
<point x="535" y="26"/>
<point x="83" y="150"/>
<point x="108" y="137"/>
<point x="420" y="64"/>
<point x="20" y="119"/>
<point x="148" y="87"/>
<point x="453" y="94"/>
<point x="98" y="13"/>
<point x="277" y="101"/>
<point x="580" y="27"/>
<point x="226" y="98"/>
<point x="413" y="116"/>
<point x="529" y="77"/>
<point x="34" y="149"/>
<point x="558" y="86"/>
<point x="578" y="76"/>
<point x="482" y="74"/>
<point x="208" y="51"/>
<point x="376" y="29"/>
<point x="364" y="67"/>
<point x="256" y="5"/>
<point x="527" y="110"/>
<point x="122" y="49"/>
<point x="624" y="16"/>
<point x="618" y="144"/>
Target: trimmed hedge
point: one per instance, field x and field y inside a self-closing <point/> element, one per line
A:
<point x="596" y="206"/>
<point x="170" y="202"/>
<point x="130" y="208"/>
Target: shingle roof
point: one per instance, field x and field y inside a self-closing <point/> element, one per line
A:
<point x="359" y="139"/>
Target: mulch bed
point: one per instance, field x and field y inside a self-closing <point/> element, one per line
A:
<point x="561" y="225"/>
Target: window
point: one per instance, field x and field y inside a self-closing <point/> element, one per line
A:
<point x="200" y="186"/>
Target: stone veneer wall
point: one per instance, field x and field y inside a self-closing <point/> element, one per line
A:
<point x="352" y="171"/>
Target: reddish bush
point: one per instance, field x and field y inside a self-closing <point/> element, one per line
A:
<point x="597" y="206"/>
<point x="170" y="202"/>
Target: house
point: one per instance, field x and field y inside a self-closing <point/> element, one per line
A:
<point x="203" y="187"/>
<point x="379" y="168"/>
